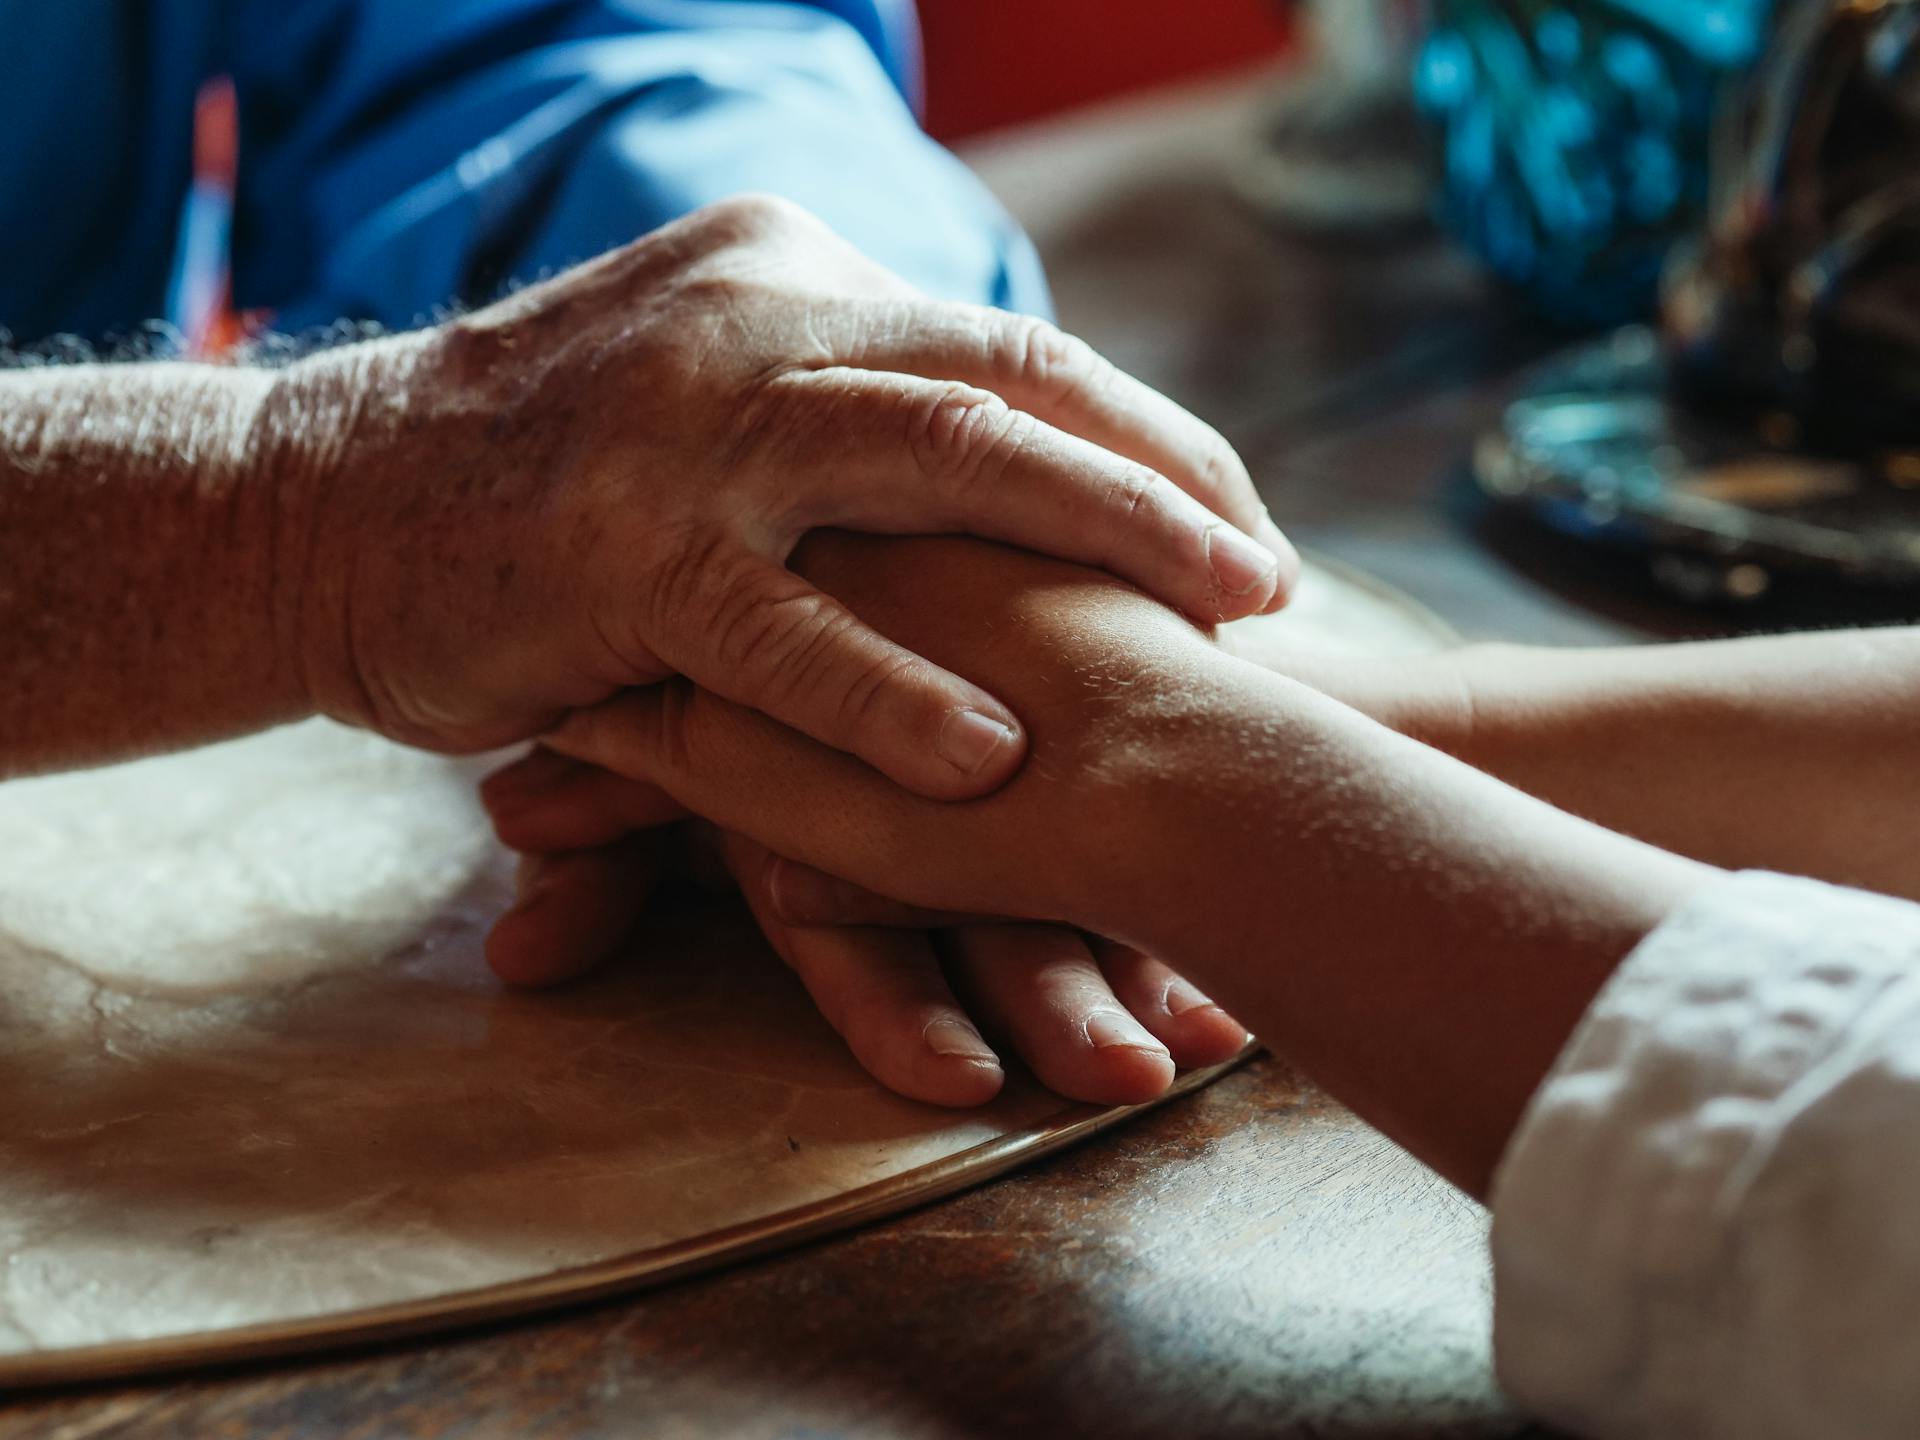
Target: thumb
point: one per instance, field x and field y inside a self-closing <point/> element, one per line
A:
<point x="762" y="636"/>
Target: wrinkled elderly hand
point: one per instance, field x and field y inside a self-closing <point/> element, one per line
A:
<point x="596" y="484"/>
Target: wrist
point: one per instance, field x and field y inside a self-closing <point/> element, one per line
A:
<point x="1188" y="778"/>
<point x="322" y="447"/>
<point x="234" y="405"/>
<point x="1428" y="698"/>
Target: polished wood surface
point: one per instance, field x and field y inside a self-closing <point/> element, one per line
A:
<point x="1246" y="1262"/>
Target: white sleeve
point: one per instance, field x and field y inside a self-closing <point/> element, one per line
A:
<point x="1708" y="1222"/>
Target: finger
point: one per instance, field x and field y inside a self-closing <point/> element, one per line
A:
<point x="986" y="469"/>
<point x="1195" y="1031"/>
<point x="1059" y="378"/>
<point x="548" y="803"/>
<point x="802" y="895"/>
<point x="746" y="773"/>
<point x="573" y="912"/>
<point x="884" y="992"/>
<point x="1039" y="986"/>
<point x="771" y="641"/>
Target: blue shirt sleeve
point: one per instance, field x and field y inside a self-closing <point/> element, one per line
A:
<point x="400" y="155"/>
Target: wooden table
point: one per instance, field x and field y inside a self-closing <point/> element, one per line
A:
<point x="1247" y="1262"/>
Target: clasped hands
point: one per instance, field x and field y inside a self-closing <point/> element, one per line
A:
<point x="595" y="489"/>
<point x="898" y="956"/>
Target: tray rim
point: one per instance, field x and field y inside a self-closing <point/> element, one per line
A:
<point x="632" y="1272"/>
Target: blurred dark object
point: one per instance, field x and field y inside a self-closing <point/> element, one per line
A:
<point x="1801" y="300"/>
<point x="1338" y="149"/>
<point x="1770" y="429"/>
<point x="1573" y="136"/>
<point x="1599" y="447"/>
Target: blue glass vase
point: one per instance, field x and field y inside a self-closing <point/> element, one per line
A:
<point x="1573" y="137"/>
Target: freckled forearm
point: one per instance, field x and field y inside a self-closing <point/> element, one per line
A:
<point x="140" y="536"/>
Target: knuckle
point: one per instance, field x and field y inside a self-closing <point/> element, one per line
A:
<point x="712" y="292"/>
<point x="753" y="215"/>
<point x="870" y="689"/>
<point x="791" y="646"/>
<point x="780" y="640"/>
<point x="759" y="626"/>
<point x="957" y="433"/>
<point x="1051" y="363"/>
<point x="1134" y="493"/>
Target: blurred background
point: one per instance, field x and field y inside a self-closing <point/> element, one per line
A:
<point x="1683" y="233"/>
<point x="992" y="63"/>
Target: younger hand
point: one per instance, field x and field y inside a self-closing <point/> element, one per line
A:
<point x="1095" y="1021"/>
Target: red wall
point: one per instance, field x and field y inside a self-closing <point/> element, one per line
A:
<point x="993" y="62"/>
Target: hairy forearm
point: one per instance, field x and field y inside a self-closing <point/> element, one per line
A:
<point x="1795" y="753"/>
<point x="1419" y="937"/>
<point x="138" y="534"/>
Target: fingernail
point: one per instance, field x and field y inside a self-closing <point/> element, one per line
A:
<point x="958" y="1040"/>
<point x="969" y="740"/>
<point x="1239" y="564"/>
<point x="1108" y="1029"/>
<point x="1182" y="998"/>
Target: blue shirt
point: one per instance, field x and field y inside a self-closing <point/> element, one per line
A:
<point x="397" y="155"/>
